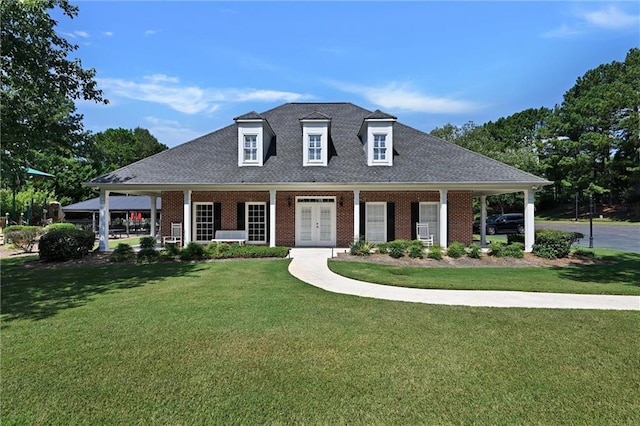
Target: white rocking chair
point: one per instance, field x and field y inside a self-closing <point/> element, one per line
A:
<point x="422" y="234"/>
<point x="176" y="235"/>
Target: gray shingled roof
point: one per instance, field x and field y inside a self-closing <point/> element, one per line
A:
<point x="418" y="156"/>
<point x="116" y="203"/>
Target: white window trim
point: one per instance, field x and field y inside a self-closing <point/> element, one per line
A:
<point x="244" y="148"/>
<point x="315" y="128"/>
<point x="374" y="128"/>
<point x="366" y="220"/>
<point x="194" y="218"/>
<point x="246" y="221"/>
<point x="384" y="149"/>
<point x="257" y="129"/>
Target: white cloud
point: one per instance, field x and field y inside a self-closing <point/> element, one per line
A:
<point x="107" y="34"/>
<point x="403" y="97"/>
<point x="611" y="18"/>
<point x="149" y="33"/>
<point x="77" y="34"/>
<point x="167" y="90"/>
<point x="170" y="132"/>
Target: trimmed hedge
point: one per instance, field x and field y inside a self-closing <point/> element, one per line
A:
<point x="455" y="250"/>
<point x="22" y="236"/>
<point x="554" y="244"/>
<point x="65" y="244"/>
<point x="228" y="251"/>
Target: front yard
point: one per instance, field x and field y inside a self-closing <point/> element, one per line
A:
<point x="233" y="342"/>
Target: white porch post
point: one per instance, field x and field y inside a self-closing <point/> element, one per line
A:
<point x="443" y="218"/>
<point x="186" y="213"/>
<point x="483" y="220"/>
<point x="93" y="221"/>
<point x="529" y="225"/>
<point x="154" y="200"/>
<point x="272" y="218"/>
<point x="356" y="215"/>
<point x="103" y="244"/>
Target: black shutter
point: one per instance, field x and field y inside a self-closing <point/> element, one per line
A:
<point x="363" y="219"/>
<point x="415" y="217"/>
<point x="391" y="221"/>
<point x="240" y="217"/>
<point x="267" y="210"/>
<point x="217" y="217"/>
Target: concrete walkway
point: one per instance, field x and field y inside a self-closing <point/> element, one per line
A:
<point x="310" y="266"/>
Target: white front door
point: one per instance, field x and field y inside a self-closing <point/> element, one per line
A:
<point x="316" y="221"/>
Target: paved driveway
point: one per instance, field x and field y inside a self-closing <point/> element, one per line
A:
<point x="618" y="237"/>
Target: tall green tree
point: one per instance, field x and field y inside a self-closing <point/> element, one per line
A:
<point x="40" y="81"/>
<point x="115" y="148"/>
<point x="595" y="132"/>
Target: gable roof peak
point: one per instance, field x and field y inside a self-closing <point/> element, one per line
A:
<point x="379" y="115"/>
<point x="316" y="115"/>
<point x="249" y="116"/>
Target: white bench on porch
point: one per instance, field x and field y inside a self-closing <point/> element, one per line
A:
<point x="228" y="236"/>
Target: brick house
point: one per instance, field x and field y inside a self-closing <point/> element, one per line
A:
<point x="319" y="174"/>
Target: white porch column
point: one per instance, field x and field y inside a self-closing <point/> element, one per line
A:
<point x="443" y="218"/>
<point x="93" y="221"/>
<point x="529" y="225"/>
<point x="272" y="218"/>
<point x="186" y="213"/>
<point x="483" y="220"/>
<point x="356" y="215"/>
<point x="154" y="200"/>
<point x="103" y="244"/>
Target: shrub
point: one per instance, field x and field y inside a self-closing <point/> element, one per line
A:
<point x="416" y="250"/>
<point x="23" y="237"/>
<point x="515" y="250"/>
<point x="65" y="244"/>
<point x="496" y="249"/>
<point x="435" y="252"/>
<point x="475" y="251"/>
<point x="194" y="251"/>
<point x="147" y="255"/>
<point x="361" y="248"/>
<point x="56" y="226"/>
<point x="515" y="238"/>
<point x="397" y="248"/>
<point x="148" y="243"/>
<point x="554" y="244"/>
<point x="170" y="251"/>
<point x="455" y="250"/>
<point x="122" y="253"/>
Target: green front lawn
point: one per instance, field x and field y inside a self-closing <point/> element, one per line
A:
<point x="619" y="275"/>
<point x="243" y="342"/>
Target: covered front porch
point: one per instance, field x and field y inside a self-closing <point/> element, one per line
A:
<point x="321" y="215"/>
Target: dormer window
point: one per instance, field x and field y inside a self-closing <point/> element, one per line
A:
<point x="250" y="148"/>
<point x="376" y="134"/>
<point x="315" y="136"/>
<point x="254" y="139"/>
<point x="315" y="148"/>
<point x="380" y="148"/>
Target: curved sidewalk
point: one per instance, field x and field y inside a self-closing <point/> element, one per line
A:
<point x="310" y="266"/>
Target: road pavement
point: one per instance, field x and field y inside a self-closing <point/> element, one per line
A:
<point x="617" y="237"/>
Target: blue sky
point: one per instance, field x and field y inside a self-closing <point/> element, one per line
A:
<point x="184" y="69"/>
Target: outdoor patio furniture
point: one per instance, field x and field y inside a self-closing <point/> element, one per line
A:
<point x="229" y="236"/>
<point x="176" y="234"/>
<point x="422" y="234"/>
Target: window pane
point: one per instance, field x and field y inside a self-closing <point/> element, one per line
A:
<point x="204" y="222"/>
<point x="376" y="226"/>
<point x="256" y="222"/>
<point x="429" y="215"/>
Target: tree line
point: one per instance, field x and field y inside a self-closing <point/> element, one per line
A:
<point x="587" y="145"/>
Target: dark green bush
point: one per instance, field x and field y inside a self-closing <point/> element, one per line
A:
<point x="194" y="251"/>
<point x="171" y="250"/>
<point x="397" y="248"/>
<point x="554" y="244"/>
<point x="23" y="237"/>
<point x="475" y="251"/>
<point x="122" y="253"/>
<point x="65" y="244"/>
<point x="496" y="249"/>
<point x="147" y="243"/>
<point x="361" y="248"/>
<point x="147" y="255"/>
<point x="515" y="250"/>
<point x="416" y="250"/>
<point x="455" y="250"/>
<point x="435" y="252"/>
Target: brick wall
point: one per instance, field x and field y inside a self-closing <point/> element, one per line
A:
<point x="459" y="208"/>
